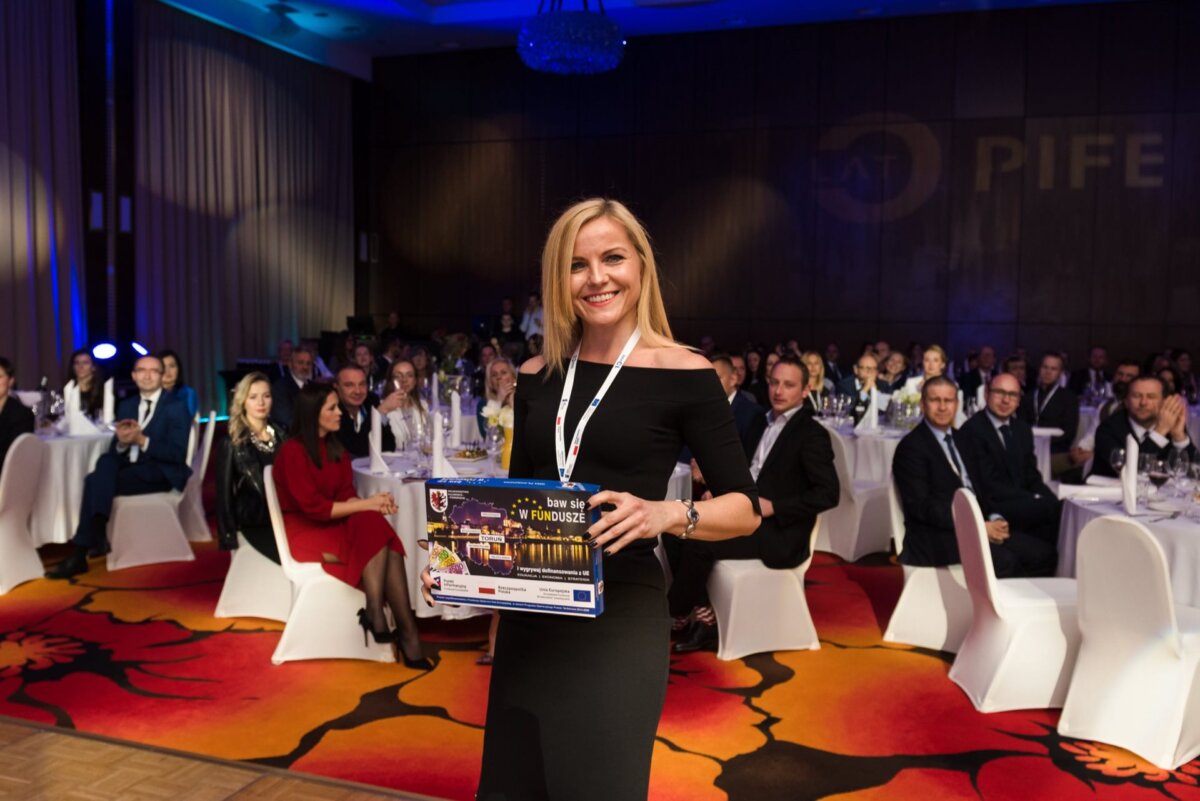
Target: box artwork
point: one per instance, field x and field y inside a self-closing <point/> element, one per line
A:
<point x="514" y="544"/>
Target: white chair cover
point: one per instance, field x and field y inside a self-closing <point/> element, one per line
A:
<point x="1021" y="647"/>
<point x="323" y="621"/>
<point x="761" y="609"/>
<point x="861" y="523"/>
<point x="934" y="609"/>
<point x="254" y="586"/>
<point x="19" y="481"/>
<point x="191" y="508"/>
<point x="1134" y="684"/>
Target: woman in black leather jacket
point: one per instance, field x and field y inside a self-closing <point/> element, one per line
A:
<point x="251" y="446"/>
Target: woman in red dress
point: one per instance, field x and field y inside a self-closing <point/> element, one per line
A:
<point x="327" y="522"/>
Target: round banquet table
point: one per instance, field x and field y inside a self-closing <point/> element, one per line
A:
<point x="870" y="452"/>
<point x="68" y="461"/>
<point x="408" y="488"/>
<point x="469" y="424"/>
<point x="1179" y="538"/>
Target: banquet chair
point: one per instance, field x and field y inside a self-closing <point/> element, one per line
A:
<point x="860" y="523"/>
<point x="148" y="529"/>
<point x="191" y="507"/>
<point x="1024" y="634"/>
<point x="321" y="623"/>
<point x="759" y="608"/>
<point x="19" y="561"/>
<point x="1135" y="681"/>
<point x="254" y="586"/>
<point x="934" y="609"/>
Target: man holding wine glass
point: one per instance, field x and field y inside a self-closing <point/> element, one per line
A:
<point x="1158" y="423"/>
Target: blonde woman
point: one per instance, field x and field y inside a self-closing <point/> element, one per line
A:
<point x="498" y="387"/>
<point x="574" y="703"/>
<point x="818" y="385"/>
<point x="934" y="363"/>
<point x="250" y="447"/>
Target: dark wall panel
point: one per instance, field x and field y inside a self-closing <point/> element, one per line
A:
<point x="1026" y="178"/>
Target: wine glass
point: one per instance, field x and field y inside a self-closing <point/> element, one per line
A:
<point x="1158" y="472"/>
<point x="494" y="442"/>
<point x="1116" y="460"/>
<point x="1178" y="465"/>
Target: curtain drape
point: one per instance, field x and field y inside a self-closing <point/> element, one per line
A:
<point x="42" y="312"/>
<point x="244" y="205"/>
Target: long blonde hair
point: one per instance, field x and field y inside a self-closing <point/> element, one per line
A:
<point x="816" y="378"/>
<point x="562" y="326"/>
<point x="239" y="426"/>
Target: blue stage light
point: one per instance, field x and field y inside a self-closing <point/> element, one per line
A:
<point x="104" y="351"/>
<point x="141" y="351"/>
<point x="571" y="42"/>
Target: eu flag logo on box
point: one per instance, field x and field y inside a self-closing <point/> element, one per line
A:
<point x="582" y="596"/>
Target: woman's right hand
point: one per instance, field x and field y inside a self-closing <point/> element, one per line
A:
<point x="381" y="502"/>
<point x="426" y="576"/>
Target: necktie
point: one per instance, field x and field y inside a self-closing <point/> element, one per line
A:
<point x="958" y="465"/>
<point x="1007" y="435"/>
<point x="146" y="415"/>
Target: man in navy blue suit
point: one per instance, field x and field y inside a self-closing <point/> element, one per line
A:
<point x="148" y="454"/>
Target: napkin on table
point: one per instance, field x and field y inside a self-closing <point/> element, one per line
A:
<point x="1129" y="475"/>
<point x="455" y="420"/>
<point x="109" y="416"/>
<point x="870" y="418"/>
<point x="375" y="443"/>
<point x="441" y="467"/>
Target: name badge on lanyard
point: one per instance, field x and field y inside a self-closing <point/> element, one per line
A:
<point x="566" y="461"/>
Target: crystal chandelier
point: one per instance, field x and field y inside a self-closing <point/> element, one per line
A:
<point x="570" y="42"/>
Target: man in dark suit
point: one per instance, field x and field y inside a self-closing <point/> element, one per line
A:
<point x="1095" y="375"/>
<point x="1158" y="423"/>
<point x="1051" y="405"/>
<point x="356" y="402"/>
<point x="1001" y="445"/>
<point x="148" y="454"/>
<point x="981" y="375"/>
<point x="931" y="463"/>
<point x="833" y="370"/>
<point x="283" y="359"/>
<point x="859" y="385"/>
<point x="285" y="389"/>
<point x="1122" y="377"/>
<point x="791" y="460"/>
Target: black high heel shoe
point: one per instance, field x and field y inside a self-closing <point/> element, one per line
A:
<point x="380" y="637"/>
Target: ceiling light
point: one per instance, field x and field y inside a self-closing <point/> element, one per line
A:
<point x="582" y="42"/>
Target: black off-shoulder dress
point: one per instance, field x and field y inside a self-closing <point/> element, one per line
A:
<point x="574" y="703"/>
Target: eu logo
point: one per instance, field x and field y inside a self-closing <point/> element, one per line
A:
<point x="582" y="596"/>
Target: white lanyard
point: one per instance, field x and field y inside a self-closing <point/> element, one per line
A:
<point x="566" y="463"/>
<point x="1040" y="404"/>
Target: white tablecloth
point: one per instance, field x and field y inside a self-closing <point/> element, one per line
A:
<point x="410" y="523"/>
<point x="1179" y="538"/>
<point x="470" y="423"/>
<point x="870" y="452"/>
<point x="60" y="492"/>
<point x="1041" y="450"/>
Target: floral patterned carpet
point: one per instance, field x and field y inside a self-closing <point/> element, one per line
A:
<point x="136" y="655"/>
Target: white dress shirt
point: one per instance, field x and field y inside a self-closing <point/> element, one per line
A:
<point x="775" y="426"/>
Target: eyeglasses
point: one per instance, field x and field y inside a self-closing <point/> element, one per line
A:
<point x="1004" y="393"/>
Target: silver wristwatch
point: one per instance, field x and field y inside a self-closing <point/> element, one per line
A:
<point x="693" y="517"/>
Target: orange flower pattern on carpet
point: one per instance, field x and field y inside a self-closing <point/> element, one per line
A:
<point x="137" y="655"/>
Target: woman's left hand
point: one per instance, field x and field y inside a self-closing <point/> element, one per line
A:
<point x="632" y="519"/>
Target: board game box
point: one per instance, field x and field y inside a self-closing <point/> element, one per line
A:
<point x="514" y="544"/>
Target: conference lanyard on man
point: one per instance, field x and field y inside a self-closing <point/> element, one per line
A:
<point x="566" y="462"/>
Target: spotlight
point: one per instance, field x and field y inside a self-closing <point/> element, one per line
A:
<point x="104" y="351"/>
<point x="141" y="351"/>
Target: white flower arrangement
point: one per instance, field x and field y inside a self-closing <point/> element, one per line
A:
<point x="907" y="396"/>
<point x="498" y="414"/>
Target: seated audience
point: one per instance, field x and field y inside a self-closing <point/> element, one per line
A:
<point x="284" y="390"/>
<point x="859" y="385"/>
<point x="90" y="381"/>
<point x="892" y="373"/>
<point x="1123" y="376"/>
<point x="148" y="454"/>
<point x="1016" y="367"/>
<point x="251" y="446"/>
<point x="1157" y="422"/>
<point x="422" y="363"/>
<point x="15" y="417"/>
<point x="365" y="360"/>
<point x="1170" y="379"/>
<point x="173" y="383"/>
<point x="487" y="352"/>
<point x="931" y="463"/>
<point x="534" y="346"/>
<point x="933" y="364"/>
<point x="833" y="370"/>
<point x="1051" y="405"/>
<point x="1002" y="445"/>
<point x="411" y="414"/>
<point x="1095" y="375"/>
<point x="1189" y="386"/>
<point x="283" y="357"/>
<point x="882" y="350"/>
<point x="531" y="319"/>
<point x="756" y="376"/>
<point x="819" y="387"/>
<point x="791" y="460"/>
<point x="500" y="387"/>
<point x="738" y="362"/>
<point x="326" y="521"/>
<point x="981" y="375"/>
<point x="356" y="404"/>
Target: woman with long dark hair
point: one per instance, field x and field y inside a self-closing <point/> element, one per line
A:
<point x="327" y="522"/>
<point x="173" y="381"/>
<point x="86" y="376"/>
